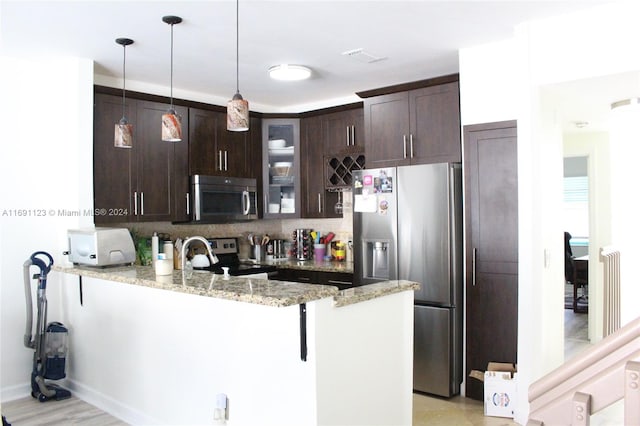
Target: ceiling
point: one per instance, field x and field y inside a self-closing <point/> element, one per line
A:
<point x="417" y="39"/>
<point x="585" y="105"/>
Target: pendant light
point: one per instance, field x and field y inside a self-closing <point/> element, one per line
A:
<point x="237" y="107"/>
<point x="123" y="136"/>
<point x="171" y="122"/>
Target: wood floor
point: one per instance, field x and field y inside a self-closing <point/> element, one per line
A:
<point x="73" y="411"/>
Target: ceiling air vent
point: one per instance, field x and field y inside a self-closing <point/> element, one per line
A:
<point x="361" y="56"/>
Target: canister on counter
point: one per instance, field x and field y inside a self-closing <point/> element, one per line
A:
<point x="338" y="251"/>
<point x="270" y="250"/>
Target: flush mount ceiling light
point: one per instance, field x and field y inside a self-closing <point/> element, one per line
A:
<point x="171" y="122"/>
<point x="288" y="72"/>
<point x="123" y="137"/>
<point x="237" y="107"/>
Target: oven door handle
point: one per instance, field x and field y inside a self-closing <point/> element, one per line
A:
<point x="246" y="203"/>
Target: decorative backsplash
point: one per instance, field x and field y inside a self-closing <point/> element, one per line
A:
<point x="276" y="228"/>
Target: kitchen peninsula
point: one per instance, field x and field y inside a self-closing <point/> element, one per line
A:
<point x="282" y="352"/>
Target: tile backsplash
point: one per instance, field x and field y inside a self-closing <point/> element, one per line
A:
<point x="276" y="228"/>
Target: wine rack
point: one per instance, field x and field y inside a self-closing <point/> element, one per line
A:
<point x="339" y="170"/>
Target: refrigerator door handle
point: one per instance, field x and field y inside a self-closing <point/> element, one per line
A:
<point x="473" y="266"/>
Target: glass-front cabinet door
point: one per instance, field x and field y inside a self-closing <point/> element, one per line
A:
<point x="281" y="167"/>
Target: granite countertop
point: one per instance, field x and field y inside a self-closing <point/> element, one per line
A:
<point x="250" y="290"/>
<point x="313" y="265"/>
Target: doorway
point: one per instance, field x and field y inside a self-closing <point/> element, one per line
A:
<point x="576" y="228"/>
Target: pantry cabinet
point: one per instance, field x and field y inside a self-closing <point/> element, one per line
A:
<point x="147" y="182"/>
<point x="418" y="126"/>
<point x="491" y="217"/>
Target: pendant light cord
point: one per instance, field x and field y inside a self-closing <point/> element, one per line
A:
<point x="124" y="78"/>
<point x="171" y="66"/>
<point x="237" y="46"/>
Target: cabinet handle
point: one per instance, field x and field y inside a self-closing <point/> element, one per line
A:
<point x="135" y="203"/>
<point x="353" y="135"/>
<point x="411" y="144"/>
<point x="319" y="203"/>
<point x="220" y="160"/>
<point x="187" y="197"/>
<point x="473" y="266"/>
<point x="225" y="161"/>
<point x="142" y="204"/>
<point x="348" y="136"/>
<point x="404" y="146"/>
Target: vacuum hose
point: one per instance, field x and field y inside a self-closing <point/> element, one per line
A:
<point x="29" y="342"/>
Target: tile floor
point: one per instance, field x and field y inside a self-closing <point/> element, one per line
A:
<point x="458" y="410"/>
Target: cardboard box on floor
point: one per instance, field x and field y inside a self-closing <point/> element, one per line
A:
<point x="499" y="388"/>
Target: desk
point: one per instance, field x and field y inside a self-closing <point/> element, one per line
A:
<point x="581" y="265"/>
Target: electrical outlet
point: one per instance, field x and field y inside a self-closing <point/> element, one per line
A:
<point x="221" y="412"/>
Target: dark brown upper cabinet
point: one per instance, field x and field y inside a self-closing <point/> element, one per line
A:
<point x="147" y="182"/>
<point x="343" y="132"/>
<point x="317" y="202"/>
<point x="418" y="126"/>
<point x="214" y="150"/>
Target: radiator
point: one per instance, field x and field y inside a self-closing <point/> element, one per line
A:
<point x="611" y="312"/>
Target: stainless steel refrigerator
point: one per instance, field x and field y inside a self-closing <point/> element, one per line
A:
<point x="407" y="224"/>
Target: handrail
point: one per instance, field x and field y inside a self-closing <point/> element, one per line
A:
<point x="597" y="372"/>
<point x="590" y="356"/>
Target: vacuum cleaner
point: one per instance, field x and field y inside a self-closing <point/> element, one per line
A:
<point x="50" y="343"/>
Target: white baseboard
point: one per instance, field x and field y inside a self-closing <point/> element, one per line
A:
<point x="110" y="405"/>
<point x="11" y="393"/>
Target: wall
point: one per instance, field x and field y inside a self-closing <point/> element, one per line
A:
<point x="46" y="169"/>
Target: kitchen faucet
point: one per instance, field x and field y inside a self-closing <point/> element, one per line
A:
<point x="183" y="260"/>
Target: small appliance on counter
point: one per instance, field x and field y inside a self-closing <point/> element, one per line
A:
<point x="276" y="250"/>
<point x="302" y="244"/>
<point x="100" y="247"/>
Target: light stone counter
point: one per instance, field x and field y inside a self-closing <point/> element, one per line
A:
<point x="373" y="291"/>
<point x="250" y="290"/>
<point x="312" y="265"/>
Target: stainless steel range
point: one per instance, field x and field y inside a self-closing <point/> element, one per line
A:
<point x="226" y="249"/>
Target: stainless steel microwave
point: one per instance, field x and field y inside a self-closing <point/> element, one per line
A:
<point x="218" y="199"/>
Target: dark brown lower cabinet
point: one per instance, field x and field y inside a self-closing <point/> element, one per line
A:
<point x="342" y="280"/>
<point x="491" y="210"/>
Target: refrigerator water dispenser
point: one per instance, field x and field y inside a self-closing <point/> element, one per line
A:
<point x="376" y="259"/>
